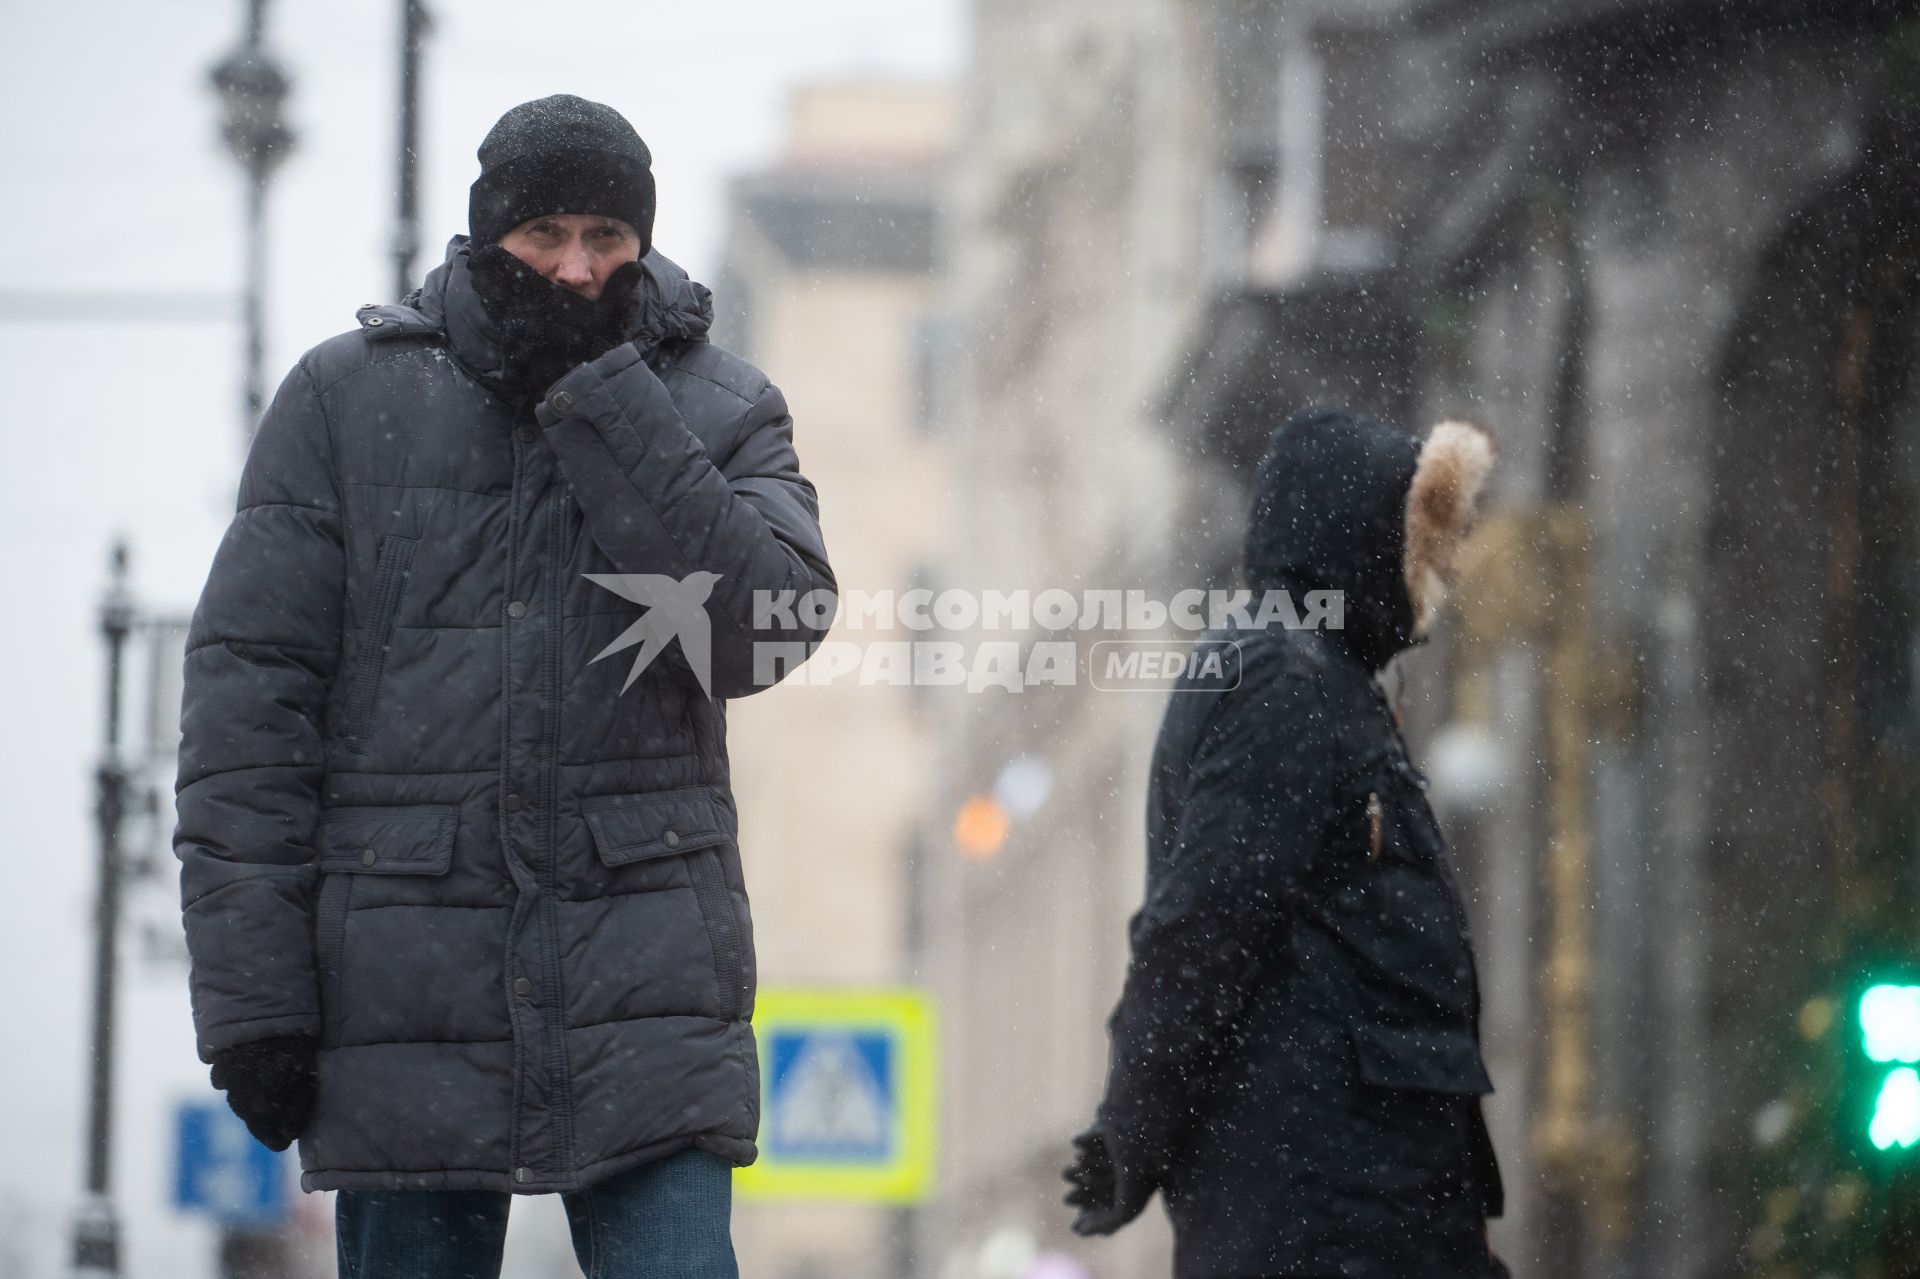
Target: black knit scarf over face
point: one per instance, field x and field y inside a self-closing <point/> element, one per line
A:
<point x="545" y="330"/>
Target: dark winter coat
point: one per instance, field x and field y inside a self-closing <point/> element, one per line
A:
<point x="1295" y="1058"/>
<point x="417" y="819"/>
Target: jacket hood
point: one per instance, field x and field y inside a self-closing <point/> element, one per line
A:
<point x="1343" y="502"/>
<point x="668" y="306"/>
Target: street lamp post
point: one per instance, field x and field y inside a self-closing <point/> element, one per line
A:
<point x="414" y="26"/>
<point x="96" y="1235"/>
<point x="253" y="87"/>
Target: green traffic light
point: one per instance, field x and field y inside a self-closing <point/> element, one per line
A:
<point x="1896" y="1111"/>
<point x="1890" y="1023"/>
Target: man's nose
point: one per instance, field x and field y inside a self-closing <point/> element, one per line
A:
<point x="573" y="269"/>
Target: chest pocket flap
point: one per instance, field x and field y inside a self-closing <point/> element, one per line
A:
<point x="1442" y="1059"/>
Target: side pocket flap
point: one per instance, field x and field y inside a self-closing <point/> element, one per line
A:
<point x="388" y="839"/>
<point x="1433" y="1060"/>
<point x="631" y="828"/>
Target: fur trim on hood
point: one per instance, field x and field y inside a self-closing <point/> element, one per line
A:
<point x="1345" y="502"/>
<point x="1441" y="505"/>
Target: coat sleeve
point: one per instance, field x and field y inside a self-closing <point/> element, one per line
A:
<point x="1215" y="919"/>
<point x="261" y="651"/>
<point x="655" y="502"/>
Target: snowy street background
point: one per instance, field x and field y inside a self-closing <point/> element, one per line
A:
<point x="1038" y="278"/>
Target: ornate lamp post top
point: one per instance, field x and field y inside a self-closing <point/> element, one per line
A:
<point x="253" y="88"/>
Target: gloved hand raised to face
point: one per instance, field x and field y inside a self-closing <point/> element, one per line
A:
<point x="547" y="330"/>
<point x="272" y="1084"/>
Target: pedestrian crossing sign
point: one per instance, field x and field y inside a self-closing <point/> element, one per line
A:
<point x="846" y="1096"/>
<point x="220" y="1170"/>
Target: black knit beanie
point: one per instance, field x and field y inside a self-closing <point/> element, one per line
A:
<point x="561" y="154"/>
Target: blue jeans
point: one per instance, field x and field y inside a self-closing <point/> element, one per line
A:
<point x="669" y="1219"/>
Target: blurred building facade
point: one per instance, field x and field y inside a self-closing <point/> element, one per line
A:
<point x="1666" y="250"/>
<point x="1077" y="245"/>
<point x="829" y="286"/>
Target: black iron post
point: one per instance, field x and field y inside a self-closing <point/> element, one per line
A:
<point x="96" y="1236"/>
<point x="414" y="25"/>
<point x="253" y="87"/>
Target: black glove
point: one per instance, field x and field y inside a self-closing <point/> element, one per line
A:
<point x="546" y="330"/>
<point x="1096" y="1188"/>
<point x="272" y="1084"/>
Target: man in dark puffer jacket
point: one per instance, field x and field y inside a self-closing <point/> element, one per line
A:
<point x="459" y="869"/>
<point x="1295" y="1056"/>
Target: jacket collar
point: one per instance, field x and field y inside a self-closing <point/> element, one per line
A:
<point x="668" y="306"/>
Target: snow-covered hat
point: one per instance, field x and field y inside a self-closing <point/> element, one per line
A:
<point x="561" y="154"/>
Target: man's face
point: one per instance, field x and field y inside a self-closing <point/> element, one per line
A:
<point x="576" y="251"/>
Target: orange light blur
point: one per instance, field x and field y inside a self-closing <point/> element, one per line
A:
<point x="980" y="828"/>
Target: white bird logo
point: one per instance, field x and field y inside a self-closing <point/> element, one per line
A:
<point x="675" y="607"/>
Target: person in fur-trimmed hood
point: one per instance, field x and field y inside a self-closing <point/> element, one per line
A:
<point x="1295" y="1060"/>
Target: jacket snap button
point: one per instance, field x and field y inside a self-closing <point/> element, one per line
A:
<point x="367" y="857"/>
<point x="562" y="401"/>
<point x="515" y="803"/>
<point x="516" y="609"/>
<point x="523" y="1175"/>
<point x="672" y="838"/>
<point x="521" y="986"/>
<point x="374" y="321"/>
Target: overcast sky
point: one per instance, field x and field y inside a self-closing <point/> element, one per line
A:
<point x="117" y="186"/>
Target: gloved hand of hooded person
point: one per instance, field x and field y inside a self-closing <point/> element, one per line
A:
<point x="1098" y="1189"/>
<point x="272" y="1084"/>
<point x="546" y="330"/>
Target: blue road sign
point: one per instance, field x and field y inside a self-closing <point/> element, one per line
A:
<point x="222" y="1171"/>
<point x="847" y="1096"/>
<point x="831" y="1093"/>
